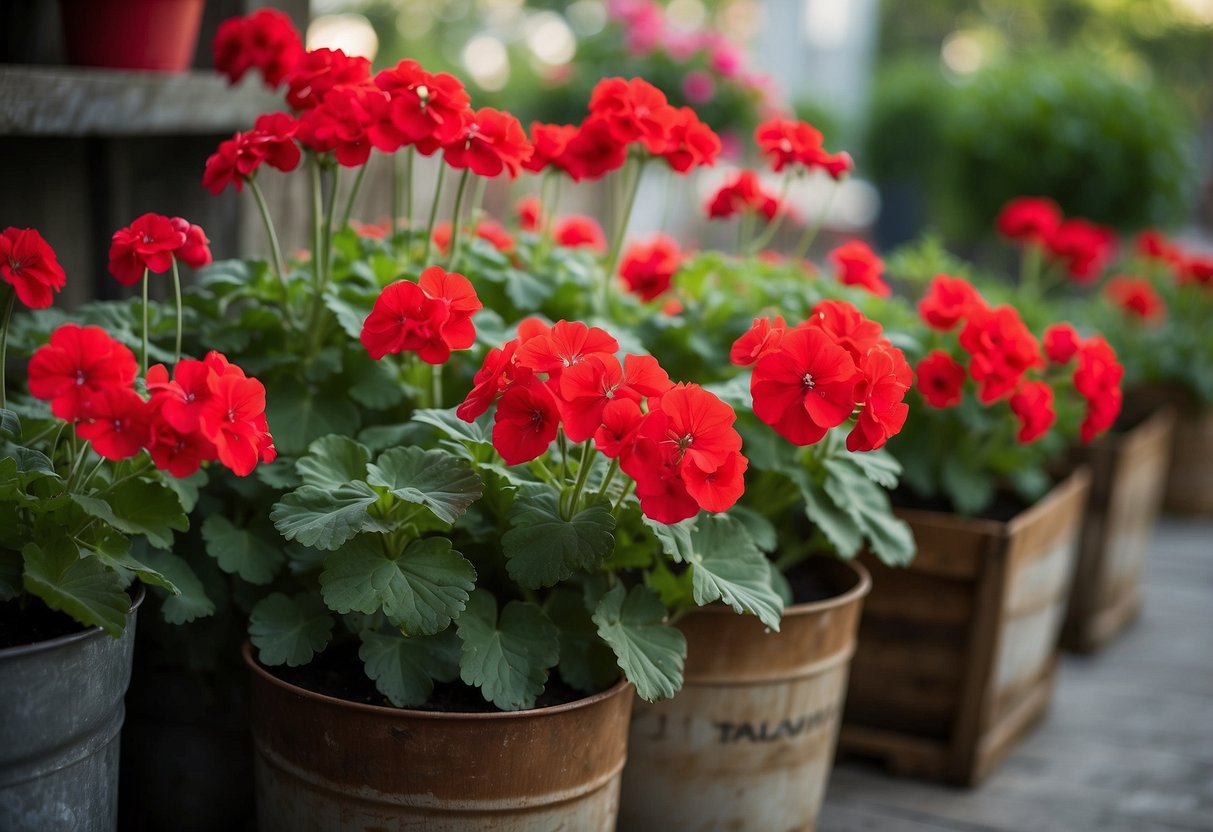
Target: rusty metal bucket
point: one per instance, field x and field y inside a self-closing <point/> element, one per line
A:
<point x="749" y="740"/>
<point x="61" y="714"/>
<point x="327" y="764"/>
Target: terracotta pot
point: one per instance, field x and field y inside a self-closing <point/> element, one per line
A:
<point x="131" y="34"/>
<point x="749" y="740"/>
<point x="1129" y="472"/>
<point x="958" y="651"/>
<point x="327" y="764"/>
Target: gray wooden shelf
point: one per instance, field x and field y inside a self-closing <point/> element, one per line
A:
<point x="76" y="101"/>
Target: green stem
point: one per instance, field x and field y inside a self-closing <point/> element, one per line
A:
<point x="397" y="177"/>
<point x="772" y="228"/>
<point x="482" y="185"/>
<point x="10" y="297"/>
<point x="745" y="229"/>
<point x="810" y="233"/>
<point x="621" y="227"/>
<point x="606" y="481"/>
<point x="77" y="464"/>
<point x="563" y="442"/>
<point x="145" y="323"/>
<point x="89" y="478"/>
<point x="583" y="475"/>
<point x="177" y="297"/>
<point x="429" y="228"/>
<point x="1030" y="270"/>
<point x="436" y="385"/>
<point x="317" y="219"/>
<point x="627" y="489"/>
<point x="409" y="159"/>
<point x="349" y="203"/>
<point x="457" y="220"/>
<point x="275" y="248"/>
<point x="324" y="266"/>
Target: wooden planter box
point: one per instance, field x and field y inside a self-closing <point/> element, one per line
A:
<point x="1190" y="476"/>
<point x="1128" y="476"/>
<point x="957" y="652"/>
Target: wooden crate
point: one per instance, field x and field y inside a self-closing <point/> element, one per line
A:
<point x="1128" y="477"/>
<point x="1190" y="475"/>
<point x="957" y="652"/>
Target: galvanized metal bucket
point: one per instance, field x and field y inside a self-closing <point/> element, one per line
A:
<point x="748" y="742"/>
<point x="61" y="714"/>
<point x="328" y="764"/>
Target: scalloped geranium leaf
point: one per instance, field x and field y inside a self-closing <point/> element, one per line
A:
<point x="651" y="652"/>
<point x="420" y="590"/>
<point x="879" y="466"/>
<point x="868" y="506"/>
<point x="288" y="630"/>
<point x="82" y="587"/>
<point x="675" y="538"/>
<point x="192" y="602"/>
<point x="586" y="662"/>
<point x="834" y="520"/>
<point x="431" y="478"/>
<point x="249" y="553"/>
<point x="404" y="669"/>
<point x="139" y="507"/>
<point x="508" y="659"/>
<point x="543" y="548"/>
<point x="727" y="566"/>
<point x="10" y="423"/>
<point x="332" y="461"/>
<point x="325" y="518"/>
<point x="478" y="432"/>
<point x="297" y="415"/>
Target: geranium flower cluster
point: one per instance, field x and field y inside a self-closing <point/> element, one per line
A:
<point x="1004" y="360"/>
<point x="797" y="146"/>
<point x="1185" y="267"/>
<point x="209" y="409"/>
<point x="648" y="266"/>
<point x="29" y="265"/>
<point x="271" y="142"/>
<point x="150" y="244"/>
<point x="816" y="375"/>
<point x="265" y="40"/>
<point x="431" y="317"/>
<point x="1080" y="246"/>
<point x="676" y="441"/>
<point x="740" y="195"/>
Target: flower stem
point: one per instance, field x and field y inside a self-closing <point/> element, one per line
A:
<point x="317" y="219"/>
<point x="627" y="489"/>
<point x="177" y="297"/>
<point x="429" y="228"/>
<point x="397" y="177"/>
<point x="349" y="203"/>
<point x="145" y="323"/>
<point x="9" y="296"/>
<point x="583" y="474"/>
<point x="1030" y="270"/>
<point x="606" y="481"/>
<point x="457" y="220"/>
<point x="772" y="228"/>
<point x="275" y="248"/>
<point x="810" y="233"/>
<point x="436" y="385"/>
<point x="621" y="227"/>
<point x="409" y="160"/>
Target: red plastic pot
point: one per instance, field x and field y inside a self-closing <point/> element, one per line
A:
<point x="158" y="35"/>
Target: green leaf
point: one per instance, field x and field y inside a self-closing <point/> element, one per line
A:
<point x="374" y="385"/>
<point x="288" y="630"/>
<point x="404" y="669"/>
<point x="879" y="466"/>
<point x="332" y="461"/>
<point x="10" y="423"/>
<point x="421" y="590"/>
<point x="726" y="565"/>
<point x="81" y="587"/>
<point x="834" y="520"/>
<point x="650" y="652"/>
<point x="242" y="551"/>
<point x="507" y="659"/>
<point x="451" y="426"/>
<point x="586" y="662"/>
<point x="121" y="559"/>
<point x="675" y="539"/>
<point x="279" y="475"/>
<point x="525" y="291"/>
<point x="543" y="548"/>
<point x="434" y="479"/>
<point x="192" y="603"/>
<point x="187" y="488"/>
<point x="11" y="567"/>
<point x="28" y="460"/>
<point x="139" y="507"/>
<point x="761" y="530"/>
<point x="349" y="316"/>
<point x="324" y="518"/>
<point x="868" y="507"/>
<point x="298" y="414"/>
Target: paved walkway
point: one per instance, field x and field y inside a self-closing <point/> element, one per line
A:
<point x="1127" y="747"/>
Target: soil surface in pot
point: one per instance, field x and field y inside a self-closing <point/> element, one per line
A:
<point x="338" y="672"/>
<point x="33" y="622"/>
<point x="808" y="585"/>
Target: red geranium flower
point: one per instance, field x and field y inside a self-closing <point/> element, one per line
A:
<point x="786" y="142"/>
<point x="488" y="230"/>
<point x="566" y="344"/>
<point x="531" y="216"/>
<point x="621" y="421"/>
<point x="741" y="194"/>
<point x="491" y="143"/>
<point x="1002" y="350"/>
<point x="948" y="301"/>
<point x="1097" y="380"/>
<point x="691" y="142"/>
<point x="1032" y="404"/>
<point x="1153" y="245"/>
<point x="77" y="364"/>
<point x="147" y="243"/>
<point x="1083" y="247"/>
<point x="1029" y="219"/>
<point x="587" y="387"/>
<point x="181" y="454"/>
<point x="549" y="141"/>
<point x="233" y="418"/>
<point x="423" y="109"/>
<point x="456" y="301"/>
<point x="648" y="267"/>
<point x="859" y="266"/>
<point x="494" y="377"/>
<point x="886" y="379"/>
<point x="179" y="402"/>
<point x="1197" y="270"/>
<point x="940" y="379"/>
<point x="526" y="422"/>
<point x="431" y="318"/>
<point x="29" y="265"/>
<point x="849" y="328"/>
<point x="593" y="152"/>
<point x="719" y="489"/>
<point x="195" y="252"/>
<point x="1136" y="296"/>
<point x="339" y="124"/>
<point x="806" y="386"/>
<point x="1061" y="342"/>
<point x="271" y="141"/>
<point x="318" y="71"/>
<point x="761" y="338"/>
<point x="118" y="423"/>
<point x="635" y="111"/>
<point x="266" y="40"/>
<point x="579" y="231"/>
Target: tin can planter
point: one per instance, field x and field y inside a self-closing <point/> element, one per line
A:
<point x="323" y="763"/>
<point x="1190" y="475"/>
<point x="158" y="35"/>
<point x="749" y="740"/>
<point x="1128" y="477"/>
<point x="958" y="651"/>
<point x="61" y="719"/>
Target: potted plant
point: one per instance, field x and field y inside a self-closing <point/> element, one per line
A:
<point x="1129" y="463"/>
<point x="957" y="652"/>
<point x="97" y="472"/>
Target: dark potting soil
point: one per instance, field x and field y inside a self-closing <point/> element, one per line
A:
<point x="338" y="672"/>
<point x="808" y="585"/>
<point x="34" y="621"/>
